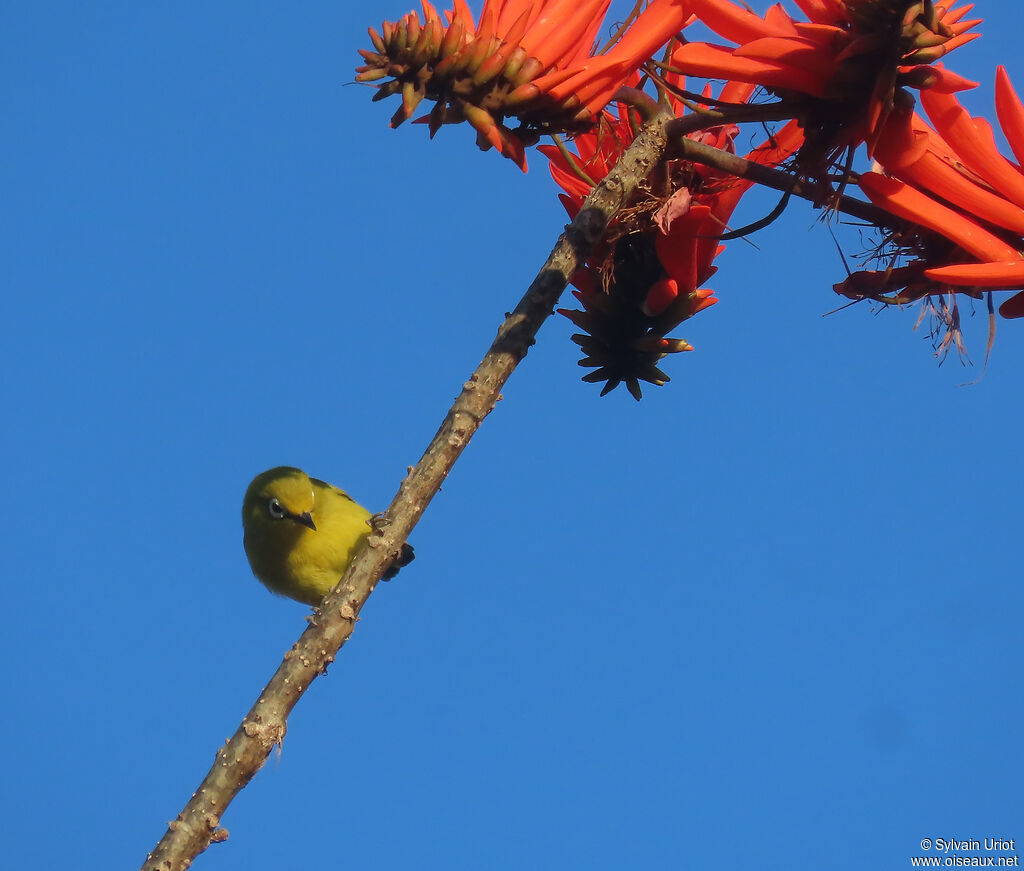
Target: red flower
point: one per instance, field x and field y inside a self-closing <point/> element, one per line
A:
<point x="850" y="60"/>
<point x="647" y="276"/>
<point x="953" y="181"/>
<point x="531" y="60"/>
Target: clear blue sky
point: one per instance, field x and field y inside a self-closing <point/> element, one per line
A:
<point x="768" y="618"/>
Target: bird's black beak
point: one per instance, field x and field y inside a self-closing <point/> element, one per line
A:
<point x="305" y="519"/>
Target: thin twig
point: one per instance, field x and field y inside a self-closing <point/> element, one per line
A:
<point x="198" y="825"/>
<point x="786" y="182"/>
<point x="754" y="226"/>
<point x="570" y="159"/>
<point x="622" y="28"/>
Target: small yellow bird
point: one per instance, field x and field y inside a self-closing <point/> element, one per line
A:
<point x="301" y="533"/>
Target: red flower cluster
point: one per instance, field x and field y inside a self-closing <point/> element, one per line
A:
<point x="532" y="60"/>
<point x="850" y="74"/>
<point x="647" y="276"/>
<point x="952" y="180"/>
<point x="852" y="57"/>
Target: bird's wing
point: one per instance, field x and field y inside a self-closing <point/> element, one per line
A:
<point x="318" y="483"/>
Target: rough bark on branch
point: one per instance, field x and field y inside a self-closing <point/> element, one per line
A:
<point x="198" y="824"/>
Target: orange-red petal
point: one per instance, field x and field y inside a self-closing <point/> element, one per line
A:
<point x="1011" y="113"/>
<point x="735" y="23"/>
<point x="906" y="202"/>
<point x="719" y="62"/>
<point x="1007" y="273"/>
<point x="974" y="143"/>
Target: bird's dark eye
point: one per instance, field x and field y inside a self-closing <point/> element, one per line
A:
<point x="275" y="509"/>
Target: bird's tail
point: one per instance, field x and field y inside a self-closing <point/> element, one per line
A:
<point x="406" y="556"/>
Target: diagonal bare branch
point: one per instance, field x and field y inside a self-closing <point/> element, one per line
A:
<point x="198" y="824"/>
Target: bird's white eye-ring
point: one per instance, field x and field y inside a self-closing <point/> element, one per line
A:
<point x="275" y="509"/>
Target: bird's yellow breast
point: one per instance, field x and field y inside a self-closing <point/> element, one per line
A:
<point x="319" y="557"/>
<point x="290" y="558"/>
